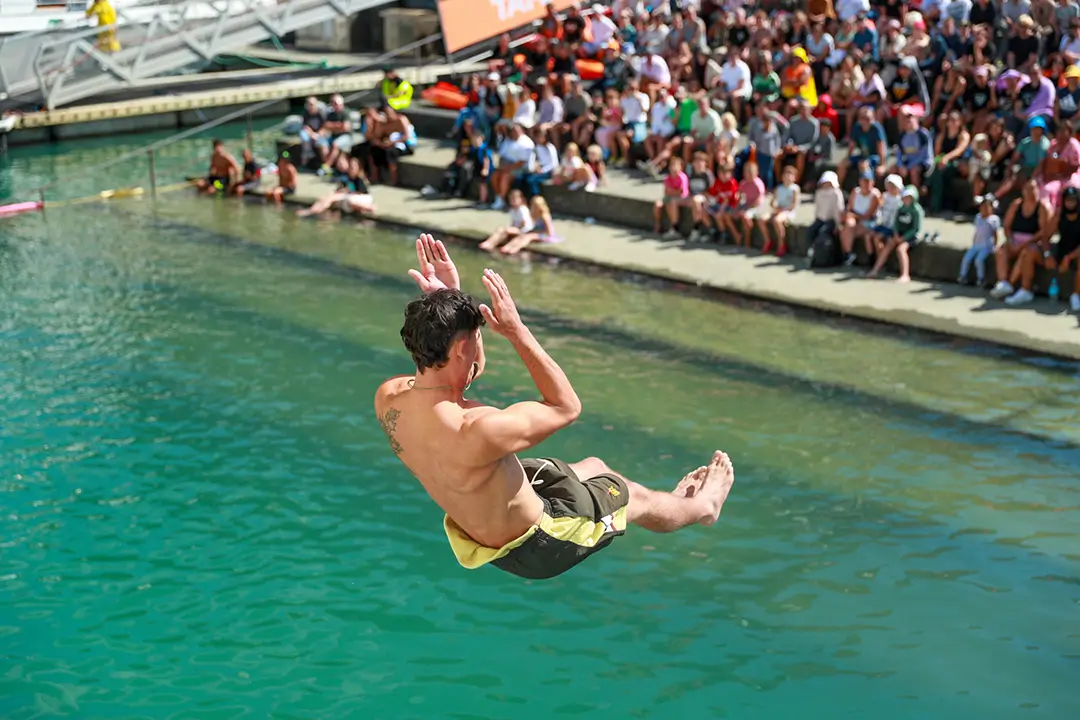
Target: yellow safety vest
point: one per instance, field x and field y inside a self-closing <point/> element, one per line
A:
<point x="397" y="96"/>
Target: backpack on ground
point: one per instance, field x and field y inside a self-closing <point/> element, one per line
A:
<point x="824" y="248"/>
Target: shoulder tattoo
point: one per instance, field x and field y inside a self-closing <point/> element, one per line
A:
<point x="388" y="421"/>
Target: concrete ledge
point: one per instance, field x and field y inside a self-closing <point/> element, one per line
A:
<point x="943" y="308"/>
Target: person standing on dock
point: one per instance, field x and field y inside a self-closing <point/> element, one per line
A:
<point x="395" y="90"/>
<point x="534" y="518"/>
<point x="107" y="41"/>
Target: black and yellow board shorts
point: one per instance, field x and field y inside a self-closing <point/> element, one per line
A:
<point x="580" y="517"/>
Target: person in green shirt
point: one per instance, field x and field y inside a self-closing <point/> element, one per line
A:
<point x="765" y="85"/>
<point x="906" y="231"/>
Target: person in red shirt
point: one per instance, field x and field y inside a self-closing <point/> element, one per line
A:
<point x="720" y="202"/>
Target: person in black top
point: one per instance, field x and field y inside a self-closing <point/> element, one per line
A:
<point x="573" y="27"/>
<point x="1024" y="45"/>
<point x="979" y="100"/>
<point x="338" y="128"/>
<point x="1062" y="255"/>
<point x="983" y="12"/>
<point x="313" y="144"/>
<point x="249" y="179"/>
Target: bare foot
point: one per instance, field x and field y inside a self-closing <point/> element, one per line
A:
<point x="903" y="279"/>
<point x="719" y="477"/>
<point x="689" y="485"/>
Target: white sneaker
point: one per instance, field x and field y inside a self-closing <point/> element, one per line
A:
<point x="1003" y="289"/>
<point x="498" y="204"/>
<point x="672" y="234"/>
<point x="1020" y="297"/>
<point x="590" y="187"/>
<point x="1074" y="302"/>
<point x="428" y="191"/>
<point x="576" y="186"/>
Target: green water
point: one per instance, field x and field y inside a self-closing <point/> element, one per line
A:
<point x="202" y="519"/>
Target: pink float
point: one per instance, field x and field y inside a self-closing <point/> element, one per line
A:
<point x="16" y="208"/>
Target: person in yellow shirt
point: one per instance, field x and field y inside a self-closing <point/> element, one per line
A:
<point x="106" y="18"/>
<point x="396" y="91"/>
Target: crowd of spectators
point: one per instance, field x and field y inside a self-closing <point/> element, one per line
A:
<point x="719" y="94"/>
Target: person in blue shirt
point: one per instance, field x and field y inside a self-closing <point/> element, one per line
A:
<point x="915" y="150"/>
<point x="865" y="42"/>
<point x="866" y="141"/>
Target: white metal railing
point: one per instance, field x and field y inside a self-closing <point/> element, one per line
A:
<point x="155" y="38"/>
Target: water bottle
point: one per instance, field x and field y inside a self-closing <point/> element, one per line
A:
<point x="1052" y="292"/>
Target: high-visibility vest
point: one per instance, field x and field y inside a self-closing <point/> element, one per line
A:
<point x="398" y="95"/>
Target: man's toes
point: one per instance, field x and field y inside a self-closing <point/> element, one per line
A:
<point x="690" y="484"/>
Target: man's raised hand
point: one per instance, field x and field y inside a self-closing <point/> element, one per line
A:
<point x="437" y="270"/>
<point x="502" y="316"/>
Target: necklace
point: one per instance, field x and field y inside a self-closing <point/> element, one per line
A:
<point x="414" y="386"/>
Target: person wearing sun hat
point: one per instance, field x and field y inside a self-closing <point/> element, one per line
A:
<point x="906" y="229"/>
<point x="1068" y="97"/>
<point x="797" y="79"/>
<point x="828" y="205"/>
<point x="1027" y="157"/>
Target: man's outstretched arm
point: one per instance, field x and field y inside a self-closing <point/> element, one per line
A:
<point x="522" y="425"/>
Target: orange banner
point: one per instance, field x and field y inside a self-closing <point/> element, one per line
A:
<point x="467" y="22"/>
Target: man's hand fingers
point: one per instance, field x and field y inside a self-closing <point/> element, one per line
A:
<point x="421" y="252"/>
<point x="489" y="316"/>
<point x="441" y="251"/>
<point x="490" y="286"/>
<point x="420" y="280"/>
<point x="493" y="286"/>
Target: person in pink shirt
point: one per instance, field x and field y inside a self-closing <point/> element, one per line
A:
<point x="676" y="195"/>
<point x="751" y="204"/>
<point x="1061" y="166"/>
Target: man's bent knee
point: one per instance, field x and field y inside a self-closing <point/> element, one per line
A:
<point x="590" y="467"/>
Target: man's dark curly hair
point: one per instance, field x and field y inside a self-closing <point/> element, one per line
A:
<point x="434" y="322"/>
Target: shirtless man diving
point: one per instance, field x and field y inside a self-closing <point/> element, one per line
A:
<point x="535" y="518"/>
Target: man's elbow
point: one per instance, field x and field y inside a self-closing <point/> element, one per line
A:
<point x="571" y="410"/>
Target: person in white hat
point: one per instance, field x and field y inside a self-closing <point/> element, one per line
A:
<point x="890" y="205"/>
<point x="828" y="205"/>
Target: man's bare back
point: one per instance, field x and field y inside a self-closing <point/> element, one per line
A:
<point x="535" y="517"/>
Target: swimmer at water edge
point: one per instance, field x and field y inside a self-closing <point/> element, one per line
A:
<point x="535" y="518"/>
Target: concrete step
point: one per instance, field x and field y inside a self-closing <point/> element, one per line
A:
<point x="627" y="201"/>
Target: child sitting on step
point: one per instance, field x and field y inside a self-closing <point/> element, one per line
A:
<point x="987" y="225"/>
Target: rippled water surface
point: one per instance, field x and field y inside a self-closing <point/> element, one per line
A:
<point x="201" y="517"/>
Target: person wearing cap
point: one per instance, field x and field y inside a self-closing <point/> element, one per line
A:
<point x="1028" y="156"/>
<point x="797" y="78"/>
<point x="1068" y="98"/>
<point x="915" y="158"/>
<point x="828" y="206"/>
<point x="983" y="242"/>
<point x="1062" y="256"/>
<point x="1026" y="222"/>
<point x="866" y="142"/>
<point x="1061" y="166"/>
<point x="906" y="231"/>
<point x="980" y="100"/>
<point x="891" y="202"/>
<point x="286" y="179"/>
<point x="602" y="29"/>
<point x="864" y="205"/>
<point x="394" y="90"/>
<point x="491" y="103"/>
